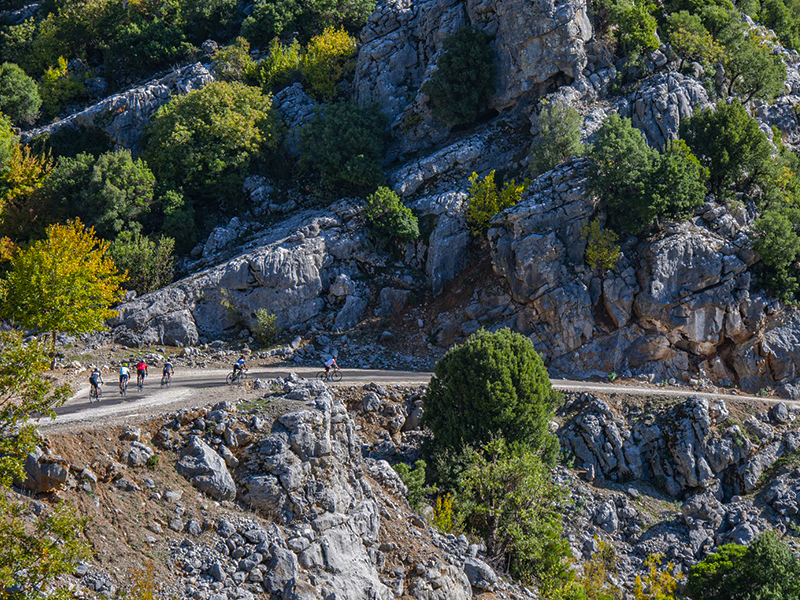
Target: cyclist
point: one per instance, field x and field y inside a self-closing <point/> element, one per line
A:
<point x="331" y="362"/>
<point x="238" y="366"/>
<point x="141" y="372"/>
<point x="124" y="375"/>
<point x="169" y="369"/>
<point x="96" y="379"/>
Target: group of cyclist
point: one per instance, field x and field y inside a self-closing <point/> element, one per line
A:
<point x="142" y="370"/>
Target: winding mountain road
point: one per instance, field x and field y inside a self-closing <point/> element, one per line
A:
<point x="203" y="386"/>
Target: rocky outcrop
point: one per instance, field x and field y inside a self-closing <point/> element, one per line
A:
<point x="536" y="43"/>
<point x="125" y="116"/>
<point x="206" y="470"/>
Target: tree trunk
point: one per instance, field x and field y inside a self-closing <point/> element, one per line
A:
<point x="53" y="351"/>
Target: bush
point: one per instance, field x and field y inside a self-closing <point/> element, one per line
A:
<point x="636" y="25"/>
<point x="390" y="219"/>
<point x="414" y="480"/>
<point x="656" y="583"/>
<point x="493" y="383"/>
<point x="691" y="40"/>
<point x="677" y="182"/>
<point x="559" y="137"/>
<point x="602" y="251"/>
<point x="443" y="516"/>
<point x="281" y="67"/>
<point x="206" y="140"/>
<point x="24" y="212"/>
<point x="730" y="144"/>
<point x="266" y="328"/>
<point x="233" y="62"/>
<point x="486" y="200"/>
<point x="344" y="143"/>
<point x="507" y="497"/>
<point x="107" y="193"/>
<point x="325" y="61"/>
<point x="620" y="173"/>
<point x="149" y="263"/>
<point x="463" y="82"/>
<point x="782" y="16"/>
<point x="600" y="574"/>
<point x="19" y="96"/>
<point x="752" y="69"/>
<point x="765" y="569"/>
<point x="59" y="87"/>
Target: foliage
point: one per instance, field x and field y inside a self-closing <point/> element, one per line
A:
<point x="266" y="328"/>
<point x="66" y="282"/>
<point x="559" y="137"/>
<point x="753" y="70"/>
<point x="141" y="585"/>
<point x="730" y="144"/>
<point x="508" y="499"/>
<point x="206" y="140"/>
<point x="778" y="243"/>
<point x="600" y="572"/>
<point x="19" y="96"/>
<point x="271" y="18"/>
<point x="767" y="568"/>
<point x="149" y="263"/>
<point x="108" y="193"/>
<point x="463" y="82"/>
<point x="620" y="172"/>
<point x="656" y="583"/>
<point x="21" y="177"/>
<point x="152" y="462"/>
<point x="494" y="383"/>
<point x="59" y="87"/>
<point x="677" y="182"/>
<point x="69" y="142"/>
<point x="326" y="59"/>
<point x="692" y="41"/>
<point x="443" y="517"/>
<point x="179" y="219"/>
<point x="344" y="143"/>
<point x="23" y="392"/>
<point x="636" y="25"/>
<point x="414" y="480"/>
<point x="233" y="62"/>
<point x="390" y="219"/>
<point x="602" y="251"/>
<point x="281" y="66"/>
<point x="486" y="200"/>
<point x="31" y="559"/>
<point x="782" y="17"/>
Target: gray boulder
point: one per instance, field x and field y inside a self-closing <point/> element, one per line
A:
<point x="480" y="575"/>
<point x="206" y="470"/>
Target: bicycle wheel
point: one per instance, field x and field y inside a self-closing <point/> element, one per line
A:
<point x="164" y="381"/>
<point x="123" y="388"/>
<point x="229" y="379"/>
<point x="337" y="375"/>
<point x="321" y="376"/>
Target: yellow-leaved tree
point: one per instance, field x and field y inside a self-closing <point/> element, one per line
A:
<point x="66" y="283"/>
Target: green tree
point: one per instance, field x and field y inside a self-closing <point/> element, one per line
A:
<point x="782" y="16"/>
<point x="233" y="62"/>
<point x="19" y="96"/>
<point x="64" y="283"/>
<point x="677" y="182"/>
<point x="390" y="219"/>
<point x="506" y="496"/>
<point x="266" y="329"/>
<point x="636" y="25"/>
<point x="486" y="200"/>
<point x="463" y="82"/>
<point x="619" y="173"/>
<point x="752" y="69"/>
<point x="730" y="144"/>
<point x="414" y="480"/>
<point x="281" y="67"/>
<point x="326" y="60"/>
<point x="109" y="192"/>
<point x="494" y="383"/>
<point x="344" y="143"/>
<point x="149" y="263"/>
<point x="602" y="251"/>
<point x="767" y="568"/>
<point x="205" y="141"/>
<point x="559" y="137"/>
<point x="59" y="87"/>
<point x="778" y="242"/>
<point x="692" y="41"/>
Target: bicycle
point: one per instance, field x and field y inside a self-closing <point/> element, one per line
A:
<point x="335" y="375"/>
<point x="240" y="376"/>
<point x="140" y="381"/>
<point x="166" y="381"/>
<point x="95" y="393"/>
<point x="123" y="386"/>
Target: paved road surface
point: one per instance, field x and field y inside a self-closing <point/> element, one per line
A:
<point x="202" y="386"/>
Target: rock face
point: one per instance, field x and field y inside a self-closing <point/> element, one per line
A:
<point x="536" y="42"/>
<point x="124" y="116"/>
